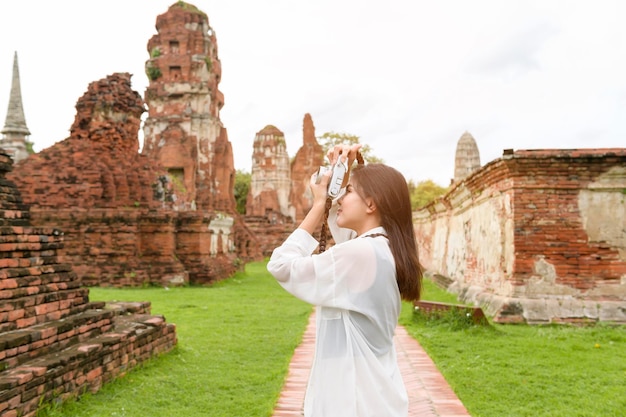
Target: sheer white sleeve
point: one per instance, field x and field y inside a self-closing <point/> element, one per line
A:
<point x="324" y="279"/>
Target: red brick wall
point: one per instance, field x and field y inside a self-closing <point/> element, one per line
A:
<point x="135" y="247"/>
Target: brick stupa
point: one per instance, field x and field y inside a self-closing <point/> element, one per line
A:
<point x="467" y="157"/>
<point x="270" y="181"/>
<point x="183" y="131"/>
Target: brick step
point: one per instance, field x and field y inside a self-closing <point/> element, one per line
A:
<point x="23" y="345"/>
<point x="87" y="364"/>
<point x="36" y="275"/>
<point x="24" y="249"/>
<point x="38" y="304"/>
<point x="9" y="230"/>
<point x="90" y="320"/>
<point x="26" y="242"/>
<point x="20" y="272"/>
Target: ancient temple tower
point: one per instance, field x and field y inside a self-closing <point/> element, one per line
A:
<point x="308" y="159"/>
<point x="183" y="131"/>
<point x="15" y="131"/>
<point x="270" y="184"/>
<point x="467" y="159"/>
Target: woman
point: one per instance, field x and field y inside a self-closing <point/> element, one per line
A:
<point x="357" y="286"/>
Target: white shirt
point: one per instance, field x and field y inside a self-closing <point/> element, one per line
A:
<point x="353" y="284"/>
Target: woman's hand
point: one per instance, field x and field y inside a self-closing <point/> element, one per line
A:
<point x="315" y="216"/>
<point x="319" y="188"/>
<point x="346" y="152"/>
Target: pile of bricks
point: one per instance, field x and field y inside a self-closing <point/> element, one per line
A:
<point x="54" y="343"/>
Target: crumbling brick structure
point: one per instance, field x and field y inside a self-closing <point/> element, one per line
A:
<point x="54" y="343"/>
<point x="308" y="159"/>
<point x="270" y="182"/>
<point x="279" y="195"/>
<point x="118" y="208"/>
<point x="183" y="131"/>
<point x="536" y="236"/>
<point x="184" y="134"/>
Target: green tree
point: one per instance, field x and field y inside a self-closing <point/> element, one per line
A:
<point x="424" y="192"/>
<point x="330" y="139"/>
<point x="242" y="186"/>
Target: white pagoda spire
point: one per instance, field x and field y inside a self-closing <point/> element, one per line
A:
<point x="15" y="131"/>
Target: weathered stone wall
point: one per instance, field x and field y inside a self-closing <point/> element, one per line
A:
<point x="54" y="343"/>
<point x="536" y="236"/>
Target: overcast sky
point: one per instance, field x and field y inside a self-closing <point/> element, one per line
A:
<point x="409" y="77"/>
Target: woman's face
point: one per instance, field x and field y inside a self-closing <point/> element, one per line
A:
<point x="353" y="209"/>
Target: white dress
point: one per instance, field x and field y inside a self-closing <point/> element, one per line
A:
<point x="353" y="284"/>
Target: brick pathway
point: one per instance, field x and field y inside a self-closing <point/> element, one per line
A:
<point x="429" y="393"/>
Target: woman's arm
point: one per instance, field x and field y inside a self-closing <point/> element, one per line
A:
<point x="324" y="279"/>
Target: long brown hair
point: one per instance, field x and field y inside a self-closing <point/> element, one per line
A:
<point x="388" y="190"/>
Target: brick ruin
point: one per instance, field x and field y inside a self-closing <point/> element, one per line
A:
<point x="165" y="216"/>
<point x="279" y="189"/>
<point x="308" y="159"/>
<point x="183" y="131"/>
<point x="270" y="183"/>
<point x="54" y="342"/>
<point x="279" y="195"/>
<point x="536" y="236"/>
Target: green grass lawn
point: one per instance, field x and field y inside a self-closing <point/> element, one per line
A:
<point x="235" y="341"/>
<point x="236" y="338"/>
<point x="521" y="370"/>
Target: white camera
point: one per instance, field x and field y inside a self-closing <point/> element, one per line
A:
<point x="339" y="170"/>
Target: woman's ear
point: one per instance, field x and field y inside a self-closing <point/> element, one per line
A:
<point x="371" y="207"/>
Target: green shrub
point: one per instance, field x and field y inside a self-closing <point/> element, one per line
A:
<point x="153" y="73"/>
